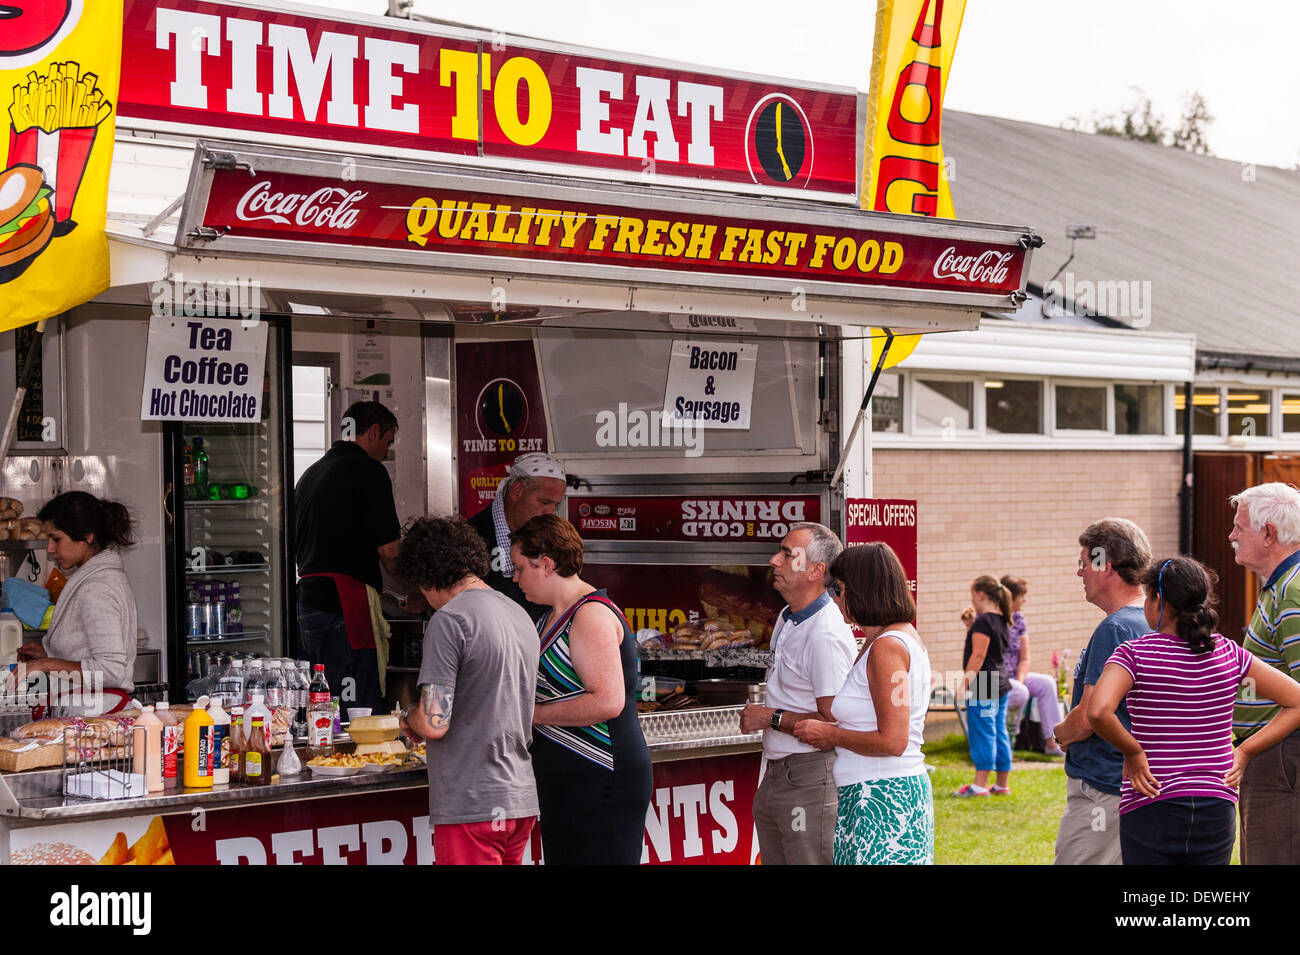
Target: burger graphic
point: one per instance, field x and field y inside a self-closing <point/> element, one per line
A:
<point x="26" y="219"/>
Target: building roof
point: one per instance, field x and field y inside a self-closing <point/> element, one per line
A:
<point x="1218" y="240"/>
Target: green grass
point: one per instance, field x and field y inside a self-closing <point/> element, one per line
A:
<point x="1019" y="829"/>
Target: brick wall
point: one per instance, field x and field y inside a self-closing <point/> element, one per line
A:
<point x="1020" y="512"/>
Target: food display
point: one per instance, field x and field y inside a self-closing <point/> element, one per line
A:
<point x="13" y="526"/>
<point x="340" y="764"/>
<point x="730" y="594"/>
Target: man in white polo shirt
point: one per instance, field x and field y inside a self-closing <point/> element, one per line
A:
<point x="812" y="651"/>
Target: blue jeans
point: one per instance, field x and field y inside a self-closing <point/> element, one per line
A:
<point x="1188" y="830"/>
<point x="353" y="674"/>
<point x="986" y="731"/>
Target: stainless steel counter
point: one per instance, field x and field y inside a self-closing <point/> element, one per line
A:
<point x="36" y="795"/>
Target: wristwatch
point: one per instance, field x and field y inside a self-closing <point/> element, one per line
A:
<point x="776" y="718"/>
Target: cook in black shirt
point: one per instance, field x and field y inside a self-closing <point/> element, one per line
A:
<point x="345" y="525"/>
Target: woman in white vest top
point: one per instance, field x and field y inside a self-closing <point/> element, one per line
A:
<point x="886" y="814"/>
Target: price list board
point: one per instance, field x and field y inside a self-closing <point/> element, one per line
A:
<point x="31" y="417"/>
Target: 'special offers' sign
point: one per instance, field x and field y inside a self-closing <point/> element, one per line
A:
<point x="203" y="369"/>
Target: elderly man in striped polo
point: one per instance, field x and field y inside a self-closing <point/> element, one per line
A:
<point x="1266" y="538"/>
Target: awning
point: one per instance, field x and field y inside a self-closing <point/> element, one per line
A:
<point x="318" y="231"/>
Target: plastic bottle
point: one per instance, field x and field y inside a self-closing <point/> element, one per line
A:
<point x="290" y="764"/>
<point x="146" y="736"/>
<point x="254" y="681"/>
<point x="200" y="470"/>
<point x="237" y="743"/>
<point x="220" y="744"/>
<point x="257" y="708"/>
<point x="231" y="686"/>
<point x="11" y="635"/>
<point x="171" y="745"/>
<point x="277" y="691"/>
<point x="301" y="696"/>
<point x="187" y="474"/>
<point x="320" y="716"/>
<point x="257" y="755"/>
<point x="199" y="733"/>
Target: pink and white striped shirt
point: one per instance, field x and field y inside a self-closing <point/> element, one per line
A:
<point x="1181" y="711"/>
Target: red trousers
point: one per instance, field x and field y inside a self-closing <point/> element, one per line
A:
<point x="494" y="842"/>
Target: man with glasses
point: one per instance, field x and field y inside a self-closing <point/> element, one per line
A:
<point x="1113" y="554"/>
<point x="812" y="651"/>
<point x="1266" y="539"/>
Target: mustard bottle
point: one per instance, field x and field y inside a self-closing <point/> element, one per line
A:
<point x="199" y="738"/>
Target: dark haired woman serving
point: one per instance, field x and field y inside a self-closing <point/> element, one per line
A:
<point x="92" y="633"/>
<point x="1179" y="797"/>
<point x="589" y="756"/>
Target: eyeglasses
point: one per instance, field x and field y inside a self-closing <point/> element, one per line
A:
<point x="836" y="587"/>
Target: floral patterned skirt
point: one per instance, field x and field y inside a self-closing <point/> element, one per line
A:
<point x="886" y="822"/>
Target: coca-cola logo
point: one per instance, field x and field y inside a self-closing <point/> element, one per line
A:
<point x="988" y="268"/>
<point x="330" y="207"/>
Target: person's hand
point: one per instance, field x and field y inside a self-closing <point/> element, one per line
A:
<point x="1240" y="759"/>
<point x="968" y="616"/>
<point x="32" y="651"/>
<point x="1138" y="772"/>
<point x="755" y="717"/>
<point x="405" y="729"/>
<point x="816" y="733"/>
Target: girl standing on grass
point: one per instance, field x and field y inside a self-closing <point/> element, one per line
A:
<point x="985" y="686"/>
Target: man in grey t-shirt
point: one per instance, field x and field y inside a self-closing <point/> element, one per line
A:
<point x="480" y="654"/>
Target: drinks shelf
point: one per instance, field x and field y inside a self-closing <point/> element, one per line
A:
<point x="228" y="569"/>
<point x="248" y="636"/>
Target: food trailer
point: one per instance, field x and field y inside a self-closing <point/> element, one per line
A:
<point x="656" y="273"/>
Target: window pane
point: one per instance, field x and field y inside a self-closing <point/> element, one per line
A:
<point x="944" y="404"/>
<point x="1080" y="408"/>
<point x="1290" y="411"/>
<point x="1249" y="412"/>
<point x="887" y="404"/>
<point x="1013" y="407"/>
<point x="1205" y="411"/>
<point x="1139" y="409"/>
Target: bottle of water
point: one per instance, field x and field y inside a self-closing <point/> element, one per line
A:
<point x="254" y="681"/>
<point x="231" y="686"/>
<point x="277" y="691"/>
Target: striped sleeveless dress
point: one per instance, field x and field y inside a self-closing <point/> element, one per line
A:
<point x="593" y="782"/>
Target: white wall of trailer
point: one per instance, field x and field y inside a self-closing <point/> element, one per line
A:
<point x="111" y="452"/>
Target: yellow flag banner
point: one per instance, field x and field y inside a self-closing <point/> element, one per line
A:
<point x="60" y="64"/>
<point x="902" y="167"/>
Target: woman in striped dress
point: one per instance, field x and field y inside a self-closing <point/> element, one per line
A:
<point x="1178" y="801"/>
<point x="589" y="756"/>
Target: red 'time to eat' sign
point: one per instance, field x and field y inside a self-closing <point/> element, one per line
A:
<point x="425" y="89"/>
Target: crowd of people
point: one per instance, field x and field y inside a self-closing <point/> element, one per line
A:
<point x="536" y="669"/>
<point x="529" y="675"/>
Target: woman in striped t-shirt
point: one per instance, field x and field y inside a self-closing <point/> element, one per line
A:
<point x="1178" y="801"/>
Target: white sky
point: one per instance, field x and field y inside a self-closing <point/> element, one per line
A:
<point x="1037" y="60"/>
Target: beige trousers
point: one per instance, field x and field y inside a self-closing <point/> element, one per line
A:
<point x="1089" y="833"/>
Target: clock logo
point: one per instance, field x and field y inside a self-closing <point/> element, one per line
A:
<point x="502" y="409"/>
<point x="779" y="141"/>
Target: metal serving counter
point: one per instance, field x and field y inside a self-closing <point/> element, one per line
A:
<point x="36" y="794"/>
<point x="700" y="756"/>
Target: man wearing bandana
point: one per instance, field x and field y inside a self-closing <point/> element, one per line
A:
<point x="535" y="485"/>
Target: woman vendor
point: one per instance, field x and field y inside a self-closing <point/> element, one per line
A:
<point x="92" y="635"/>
